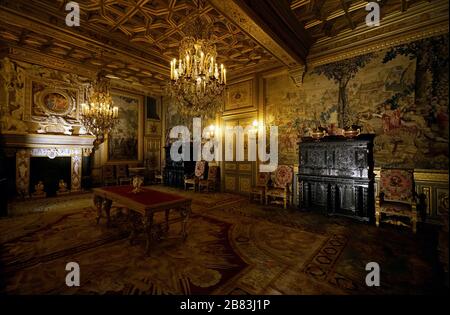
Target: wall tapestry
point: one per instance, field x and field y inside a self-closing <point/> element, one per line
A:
<point x="399" y="94"/>
<point x="123" y="140"/>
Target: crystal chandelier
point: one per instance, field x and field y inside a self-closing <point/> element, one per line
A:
<point x="99" y="115"/>
<point x="197" y="82"/>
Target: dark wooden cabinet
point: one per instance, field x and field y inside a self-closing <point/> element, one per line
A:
<point x="175" y="171"/>
<point x="336" y="176"/>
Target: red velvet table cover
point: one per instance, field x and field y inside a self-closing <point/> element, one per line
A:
<point x="146" y="197"/>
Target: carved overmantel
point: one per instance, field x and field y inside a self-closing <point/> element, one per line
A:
<point x="39" y="100"/>
<point x="51" y="146"/>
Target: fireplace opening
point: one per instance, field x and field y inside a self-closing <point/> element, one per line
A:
<point x="50" y="172"/>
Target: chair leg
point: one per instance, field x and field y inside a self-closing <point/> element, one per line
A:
<point x="285" y="202"/>
<point x="377" y="218"/>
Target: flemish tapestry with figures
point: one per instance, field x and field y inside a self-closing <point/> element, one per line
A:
<point x="399" y="94"/>
<point x="123" y="139"/>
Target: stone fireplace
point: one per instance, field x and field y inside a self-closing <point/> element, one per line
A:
<point x="27" y="147"/>
<point x="52" y="173"/>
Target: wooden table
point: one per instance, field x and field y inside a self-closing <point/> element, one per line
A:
<point x="145" y="204"/>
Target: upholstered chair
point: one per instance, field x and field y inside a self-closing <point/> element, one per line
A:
<point x="212" y="181"/>
<point x="108" y="176"/>
<point x="396" y="198"/>
<point x="193" y="180"/>
<point x="122" y="174"/>
<point x="282" y="180"/>
<point x="259" y="190"/>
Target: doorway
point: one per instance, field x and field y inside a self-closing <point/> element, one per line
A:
<point x="238" y="175"/>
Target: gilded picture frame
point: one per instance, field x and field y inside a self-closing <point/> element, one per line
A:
<point x="55" y="102"/>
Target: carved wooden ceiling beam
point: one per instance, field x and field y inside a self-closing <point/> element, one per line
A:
<point x="250" y="19"/>
<point x="347" y="14"/>
<point x="239" y="14"/>
<point x="404" y="5"/>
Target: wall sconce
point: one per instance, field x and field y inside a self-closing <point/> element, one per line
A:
<point x="211" y="131"/>
<point x="255" y="126"/>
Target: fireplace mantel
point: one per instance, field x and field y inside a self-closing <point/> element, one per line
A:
<point x="51" y="146"/>
<point x="46" y="140"/>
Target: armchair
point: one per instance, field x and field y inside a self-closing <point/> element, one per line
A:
<point x="212" y="181"/>
<point x="261" y="186"/>
<point x="281" y="185"/>
<point x="396" y="197"/>
<point x="200" y="168"/>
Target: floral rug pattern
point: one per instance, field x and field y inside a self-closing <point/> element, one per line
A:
<point x="233" y="247"/>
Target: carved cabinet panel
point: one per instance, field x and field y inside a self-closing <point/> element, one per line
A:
<point x="336" y="176"/>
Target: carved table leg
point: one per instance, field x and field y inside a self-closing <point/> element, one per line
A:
<point x="98" y="201"/>
<point x="148" y="223"/>
<point x="185" y="212"/>
<point x="166" y="229"/>
<point x="107" y="206"/>
<point x="134" y="219"/>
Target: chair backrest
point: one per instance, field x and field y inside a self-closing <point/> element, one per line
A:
<point x="200" y="167"/>
<point x="397" y="184"/>
<point x="213" y="172"/>
<point x="121" y="170"/>
<point x="108" y="171"/>
<point x="283" y="176"/>
<point x="262" y="179"/>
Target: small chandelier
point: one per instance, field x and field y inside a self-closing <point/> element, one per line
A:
<point x="197" y="82"/>
<point x="99" y="115"/>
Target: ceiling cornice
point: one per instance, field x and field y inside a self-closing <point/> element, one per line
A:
<point x="421" y="21"/>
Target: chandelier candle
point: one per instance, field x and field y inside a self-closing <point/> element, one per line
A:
<point x="197" y="81"/>
<point x="99" y="115"/>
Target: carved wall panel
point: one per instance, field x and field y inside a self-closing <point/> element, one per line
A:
<point x="76" y="170"/>
<point x="245" y="184"/>
<point x="23" y="172"/>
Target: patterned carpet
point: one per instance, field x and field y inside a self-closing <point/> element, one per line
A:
<point x="233" y="247"/>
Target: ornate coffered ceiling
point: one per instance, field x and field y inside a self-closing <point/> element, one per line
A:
<point x="134" y="40"/>
<point x="328" y="18"/>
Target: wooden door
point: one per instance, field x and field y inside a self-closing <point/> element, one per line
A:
<point x="238" y="175"/>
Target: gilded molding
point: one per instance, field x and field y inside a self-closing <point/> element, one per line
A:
<point x="418" y="22"/>
<point x="428" y="176"/>
<point x="423" y="175"/>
